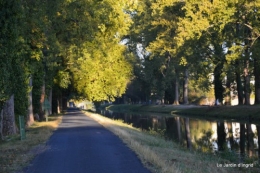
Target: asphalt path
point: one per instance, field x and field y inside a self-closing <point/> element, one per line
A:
<point x="81" y="145"/>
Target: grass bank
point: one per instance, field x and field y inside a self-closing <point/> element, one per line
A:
<point x="247" y="113"/>
<point x="164" y="156"/>
<point x="16" y="154"/>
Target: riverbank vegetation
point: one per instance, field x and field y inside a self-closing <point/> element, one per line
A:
<point x="16" y="154"/>
<point x="163" y="156"/>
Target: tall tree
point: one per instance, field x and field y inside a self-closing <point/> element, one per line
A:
<point x="256" y="55"/>
<point x="99" y="69"/>
<point x="12" y="65"/>
<point x="166" y="14"/>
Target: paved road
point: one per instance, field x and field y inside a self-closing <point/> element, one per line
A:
<point x="81" y="145"/>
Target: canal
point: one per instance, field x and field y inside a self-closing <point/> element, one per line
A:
<point x="239" y="139"/>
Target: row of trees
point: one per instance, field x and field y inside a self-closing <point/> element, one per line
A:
<point x="206" y="42"/>
<point x="52" y="48"/>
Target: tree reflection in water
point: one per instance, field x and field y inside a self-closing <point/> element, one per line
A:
<point x="205" y="143"/>
<point x="232" y="138"/>
<point x="258" y="142"/>
<point x="221" y="135"/>
<point x="187" y="130"/>
<point x="242" y="142"/>
<point x="250" y="140"/>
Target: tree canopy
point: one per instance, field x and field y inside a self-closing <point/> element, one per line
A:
<point x="145" y="50"/>
<point x="214" y="41"/>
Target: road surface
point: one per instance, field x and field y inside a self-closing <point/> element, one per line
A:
<point x="81" y="145"/>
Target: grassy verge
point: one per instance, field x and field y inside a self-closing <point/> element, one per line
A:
<point x="251" y="113"/>
<point x="164" y="156"/>
<point x="16" y="154"/>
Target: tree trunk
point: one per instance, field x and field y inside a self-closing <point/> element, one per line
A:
<point x="30" y="118"/>
<point x="247" y="36"/>
<point x="59" y="104"/>
<point x="227" y="90"/>
<point x="257" y="81"/>
<point x="176" y="97"/>
<point x="218" y="88"/>
<point x="162" y="101"/>
<point x="185" y="87"/>
<point x="1" y="126"/>
<point x="246" y="82"/>
<point x="41" y="113"/>
<point x="239" y="85"/>
<point x="9" y="127"/>
<point x="50" y="101"/>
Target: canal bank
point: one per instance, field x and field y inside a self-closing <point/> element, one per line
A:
<point x="166" y="156"/>
<point x="243" y="113"/>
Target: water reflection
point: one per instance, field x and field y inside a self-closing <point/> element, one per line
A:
<point x="242" y="141"/>
<point x="187" y="132"/>
<point x="204" y="135"/>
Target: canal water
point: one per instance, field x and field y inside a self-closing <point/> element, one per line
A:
<point x="239" y="138"/>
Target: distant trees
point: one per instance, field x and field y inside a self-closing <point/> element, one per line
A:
<point x="201" y="38"/>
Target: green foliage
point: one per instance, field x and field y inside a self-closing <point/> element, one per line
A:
<point x="96" y="59"/>
<point x="38" y="79"/>
<point x="21" y="79"/>
<point x="205" y="37"/>
<point x="63" y="79"/>
<point x="76" y="45"/>
<point x="103" y="74"/>
<point x="44" y="38"/>
<point x="12" y="62"/>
